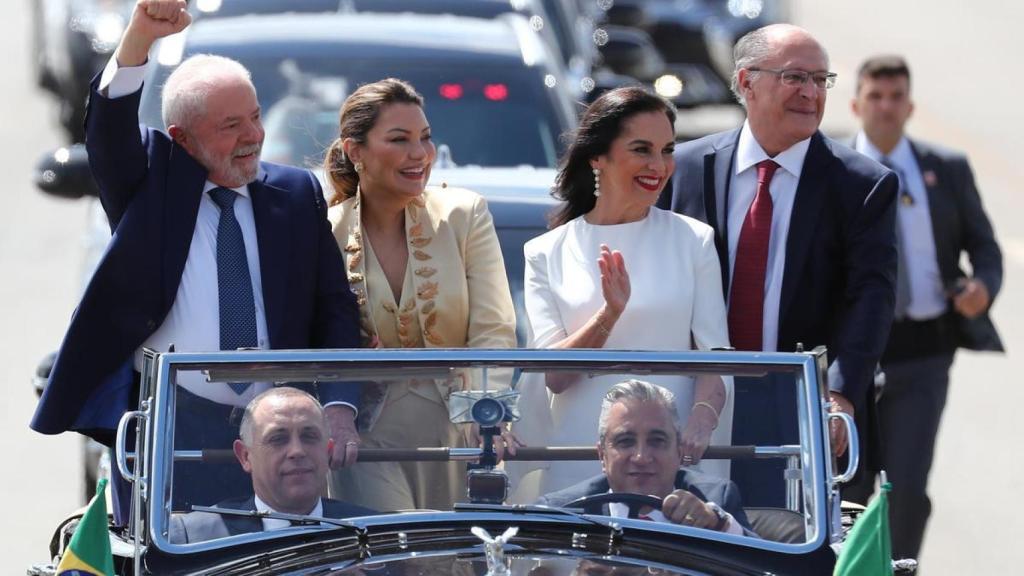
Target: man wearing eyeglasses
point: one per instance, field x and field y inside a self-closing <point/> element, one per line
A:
<point x="805" y="235"/>
<point x="938" y="306"/>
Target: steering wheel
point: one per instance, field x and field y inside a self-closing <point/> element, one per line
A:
<point x="593" y="504"/>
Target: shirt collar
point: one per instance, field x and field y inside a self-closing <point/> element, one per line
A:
<point x="902" y="155"/>
<point x="749" y="152"/>
<point x="241" y="190"/>
<point x="262" y="506"/>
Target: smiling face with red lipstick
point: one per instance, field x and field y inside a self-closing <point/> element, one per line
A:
<point x="637" y="166"/>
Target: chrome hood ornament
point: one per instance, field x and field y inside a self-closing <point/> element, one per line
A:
<point x="494" y="548"/>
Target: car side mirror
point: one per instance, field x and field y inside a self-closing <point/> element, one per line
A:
<point x="631" y="52"/>
<point x="65" y="172"/>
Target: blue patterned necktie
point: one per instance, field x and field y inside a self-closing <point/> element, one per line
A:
<point x="234" y="284"/>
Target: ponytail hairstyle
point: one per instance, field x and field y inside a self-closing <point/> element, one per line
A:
<point x="358" y="116"/>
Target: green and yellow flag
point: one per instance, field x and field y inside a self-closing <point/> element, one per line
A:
<point x="868" y="549"/>
<point x="88" y="554"/>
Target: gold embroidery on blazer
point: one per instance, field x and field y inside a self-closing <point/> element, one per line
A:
<point x="427" y="290"/>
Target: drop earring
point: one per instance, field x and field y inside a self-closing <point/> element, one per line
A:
<point x="597" y="182"/>
<point x="358" y="166"/>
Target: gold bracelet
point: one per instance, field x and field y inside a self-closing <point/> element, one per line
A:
<point x="600" y="326"/>
<point x="709" y="407"/>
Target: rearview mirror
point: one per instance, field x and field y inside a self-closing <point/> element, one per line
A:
<point x="65" y="172"/>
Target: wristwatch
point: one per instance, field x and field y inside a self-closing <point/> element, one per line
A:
<point x="723" y="516"/>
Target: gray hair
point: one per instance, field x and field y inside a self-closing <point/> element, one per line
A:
<point x="755" y="47"/>
<point x="245" y="428"/>
<point x="636" y="391"/>
<point x="188" y="87"/>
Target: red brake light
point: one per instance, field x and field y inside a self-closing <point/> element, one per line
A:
<point x="451" y="91"/>
<point x="496" y="92"/>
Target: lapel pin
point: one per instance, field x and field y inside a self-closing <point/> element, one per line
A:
<point x="929" y="178"/>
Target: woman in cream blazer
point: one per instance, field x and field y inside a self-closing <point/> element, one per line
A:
<point x="427" y="272"/>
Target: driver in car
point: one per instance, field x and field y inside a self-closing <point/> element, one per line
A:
<point x="640" y="452"/>
<point x="284" y="445"/>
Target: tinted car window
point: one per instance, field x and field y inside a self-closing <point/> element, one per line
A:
<point x="485" y="115"/>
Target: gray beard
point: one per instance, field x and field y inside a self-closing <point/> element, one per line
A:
<point x="236" y="176"/>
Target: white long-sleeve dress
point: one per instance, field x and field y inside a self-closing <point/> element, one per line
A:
<point x="676" y="299"/>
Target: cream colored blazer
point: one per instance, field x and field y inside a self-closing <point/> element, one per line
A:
<point x="461" y="297"/>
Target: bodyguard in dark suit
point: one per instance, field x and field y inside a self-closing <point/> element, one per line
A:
<point x="938" y="306"/>
<point x="211" y="249"/>
<point x="641" y="453"/>
<point x="284" y="446"/>
<point x="805" y="232"/>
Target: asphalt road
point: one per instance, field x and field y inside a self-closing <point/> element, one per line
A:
<point x="963" y="89"/>
<point x="964" y="85"/>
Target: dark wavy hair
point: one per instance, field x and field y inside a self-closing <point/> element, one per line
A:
<point x="358" y="115"/>
<point x="601" y="124"/>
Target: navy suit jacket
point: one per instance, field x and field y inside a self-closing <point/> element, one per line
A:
<point x="205" y="526"/>
<point x="704" y="486"/>
<point x="150" y="189"/>
<point x="839" y="283"/>
<point x="959" y="224"/>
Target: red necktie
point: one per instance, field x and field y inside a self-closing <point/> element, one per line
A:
<point x="746" y="296"/>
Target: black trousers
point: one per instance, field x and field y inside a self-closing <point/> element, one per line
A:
<point x="910" y="411"/>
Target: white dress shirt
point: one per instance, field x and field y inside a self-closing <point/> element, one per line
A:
<point x="783" y="190"/>
<point x="277" y="523"/>
<point x="619" y="510"/>
<point x="193" y="322"/>
<point x="917" y="239"/>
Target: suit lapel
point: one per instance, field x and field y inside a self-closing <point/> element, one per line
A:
<point x="807" y="205"/>
<point x="270" y="211"/>
<point x="184" y="191"/>
<point x="717" y="177"/>
<point x="938" y="204"/>
<point x="242" y="524"/>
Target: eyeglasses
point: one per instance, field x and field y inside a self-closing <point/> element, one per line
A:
<point x="796" y="78"/>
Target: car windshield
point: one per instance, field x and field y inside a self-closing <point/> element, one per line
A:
<point x="420" y="438"/>
<point x="483" y="115"/>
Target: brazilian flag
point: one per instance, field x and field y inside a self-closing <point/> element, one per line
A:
<point x="868" y="548"/>
<point x="88" y="554"/>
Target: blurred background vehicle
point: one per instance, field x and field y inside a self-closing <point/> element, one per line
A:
<point x="695" y="38"/>
<point x="71" y="40"/>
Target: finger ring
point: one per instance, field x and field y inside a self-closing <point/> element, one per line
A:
<point x="351" y="443"/>
<point x="688" y="518"/>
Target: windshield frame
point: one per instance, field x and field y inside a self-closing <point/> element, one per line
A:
<point x="816" y="465"/>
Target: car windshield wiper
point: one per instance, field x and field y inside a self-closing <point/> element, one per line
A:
<point x="532" y="509"/>
<point x="295" y="519"/>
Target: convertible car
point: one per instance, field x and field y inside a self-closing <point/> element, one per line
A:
<point x="502" y="524"/>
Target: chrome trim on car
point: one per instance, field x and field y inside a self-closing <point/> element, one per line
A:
<point x="815" y="484"/>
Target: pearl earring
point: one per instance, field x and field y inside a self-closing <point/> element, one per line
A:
<point x="359" y="166"/>
<point x="597" y="181"/>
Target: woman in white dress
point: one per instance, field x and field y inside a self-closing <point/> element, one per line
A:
<point x="617" y="272"/>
